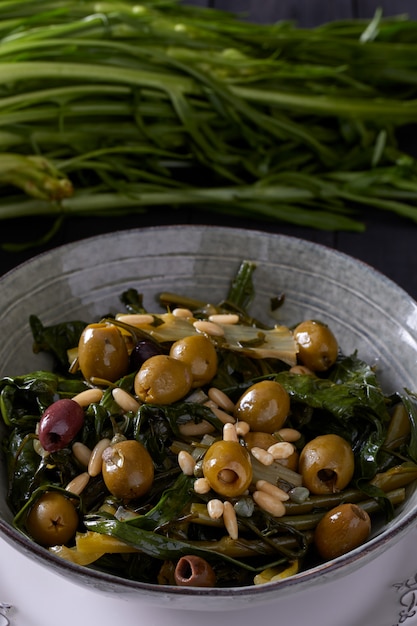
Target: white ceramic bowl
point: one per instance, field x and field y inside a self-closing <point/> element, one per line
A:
<point x="82" y="280"/>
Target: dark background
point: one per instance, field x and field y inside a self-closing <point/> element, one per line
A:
<point x="388" y="244"/>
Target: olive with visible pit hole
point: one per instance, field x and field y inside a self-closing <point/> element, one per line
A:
<point x="227" y="468"/>
<point x="59" y="424"/>
<point x="326" y="464"/>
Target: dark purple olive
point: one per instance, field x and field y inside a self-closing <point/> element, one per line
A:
<point x="193" y="571"/>
<point x="59" y="424"/>
<point x="142" y="351"/>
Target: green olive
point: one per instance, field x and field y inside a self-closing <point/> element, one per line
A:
<point x="317" y="345"/>
<point x="326" y="464"/>
<point x="163" y="380"/>
<point x="291" y="461"/>
<point x="342" y="529"/>
<point x="128" y="469"/>
<point x="264" y="406"/>
<point x="227" y="468"/>
<point x="52" y="520"/>
<point x="199" y="353"/>
<point x="102" y="352"/>
<point x="259" y="439"/>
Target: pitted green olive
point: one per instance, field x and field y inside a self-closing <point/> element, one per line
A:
<point x="264" y="406"/>
<point x="163" y="380"/>
<point x="199" y="353"/>
<point x="326" y="464"/>
<point x="128" y="469"/>
<point x="102" y="352"/>
<point x="52" y="520"/>
<point x="342" y="529"/>
<point x="227" y="468"/>
<point x="318" y="347"/>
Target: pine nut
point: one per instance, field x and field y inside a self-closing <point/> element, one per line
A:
<point x="39" y="449"/>
<point x="273" y="490"/>
<point x="78" y="484"/>
<point x="87" y="397"/>
<point x="263" y="456"/>
<point x="221" y="399"/>
<point x="202" y="485"/>
<point x="81" y="452"/>
<point x="191" y="429"/>
<point x="221" y="415"/>
<point x="269" y="504"/>
<point x="281" y="450"/>
<point x="242" y="428"/>
<point x="215" y="508"/>
<point x="224" y="318"/>
<point x="209" y="328"/>
<point x="229" y="433"/>
<point x="95" y="463"/>
<point x="289" y="434"/>
<point x="186" y="462"/>
<point x="181" y="312"/>
<point x="230" y="520"/>
<point x="125" y="400"/>
<point x="137" y="319"/>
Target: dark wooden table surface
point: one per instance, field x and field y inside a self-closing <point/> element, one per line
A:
<point x="388" y="244"/>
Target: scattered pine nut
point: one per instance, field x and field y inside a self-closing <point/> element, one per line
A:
<point x="221" y="399"/>
<point x="125" y="400"/>
<point x="221" y="415"/>
<point x="191" y="429"/>
<point x="186" y="462"/>
<point x="209" y="328"/>
<point x="202" y="485"/>
<point x="95" y="463"/>
<point x="281" y="450"/>
<point x="78" y="484"/>
<point x="215" y="508"/>
<point x="230" y="519"/>
<point x="224" y="318"/>
<point x="81" y="452"/>
<point x="87" y="397"/>
<point x="273" y="490"/>
<point x="263" y="456"/>
<point x="289" y="434"/>
<point x="242" y="428"/>
<point x="181" y="312"/>
<point x="39" y="449"/>
<point x="269" y="504"/>
<point x="229" y="433"/>
<point x="137" y="319"/>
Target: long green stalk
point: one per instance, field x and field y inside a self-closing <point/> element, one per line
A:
<point x="164" y="104"/>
